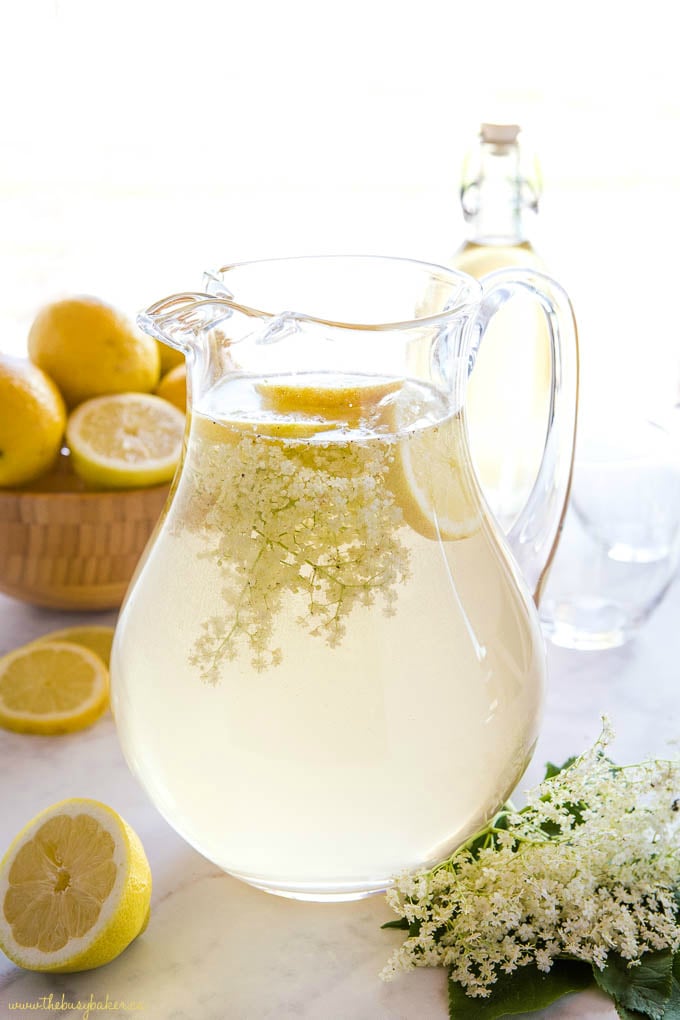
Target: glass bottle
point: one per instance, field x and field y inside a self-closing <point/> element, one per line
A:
<point x="508" y="392"/>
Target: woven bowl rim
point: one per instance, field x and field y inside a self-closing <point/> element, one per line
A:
<point x="85" y="494"/>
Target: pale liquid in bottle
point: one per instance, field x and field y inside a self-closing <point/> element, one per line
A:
<point x="508" y="392"/>
<point x="316" y="690"/>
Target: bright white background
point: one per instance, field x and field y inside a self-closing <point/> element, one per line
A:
<point x="142" y="142"/>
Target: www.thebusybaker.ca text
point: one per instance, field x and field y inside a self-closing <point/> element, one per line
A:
<point x="48" y="1003"/>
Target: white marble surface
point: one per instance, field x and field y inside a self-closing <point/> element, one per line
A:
<point x="216" y="949"/>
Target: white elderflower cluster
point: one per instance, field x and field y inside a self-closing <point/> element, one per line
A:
<point x="290" y="518"/>
<point x="590" y="866"/>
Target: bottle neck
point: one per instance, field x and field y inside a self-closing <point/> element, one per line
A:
<point x="497" y="201"/>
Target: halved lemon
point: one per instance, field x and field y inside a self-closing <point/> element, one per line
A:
<point x="75" y="888"/>
<point x="52" y="687"/>
<point x="125" y="440"/>
<point x="97" y="639"/>
<point x="433" y="482"/>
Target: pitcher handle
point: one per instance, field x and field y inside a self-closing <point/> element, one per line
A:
<point x="535" y="533"/>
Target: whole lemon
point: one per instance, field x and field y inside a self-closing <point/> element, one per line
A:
<point x="90" y="350"/>
<point x="32" y="421"/>
<point x="170" y="358"/>
<point x="173" y="387"/>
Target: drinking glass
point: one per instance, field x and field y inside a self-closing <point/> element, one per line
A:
<point x="618" y="554"/>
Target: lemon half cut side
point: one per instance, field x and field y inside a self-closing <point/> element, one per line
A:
<point x="126" y="440"/>
<point x="75" y="889"/>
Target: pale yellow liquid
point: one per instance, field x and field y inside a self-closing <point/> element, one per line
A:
<point x="508" y="392"/>
<point x="311" y="759"/>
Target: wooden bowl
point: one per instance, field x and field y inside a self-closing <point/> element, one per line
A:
<point x="74" y="550"/>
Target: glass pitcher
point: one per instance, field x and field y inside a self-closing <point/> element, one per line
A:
<point x="328" y="667"/>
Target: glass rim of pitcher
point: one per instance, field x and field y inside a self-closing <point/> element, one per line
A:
<point x="468" y="293"/>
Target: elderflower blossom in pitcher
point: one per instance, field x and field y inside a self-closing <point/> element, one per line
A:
<point x="328" y="668"/>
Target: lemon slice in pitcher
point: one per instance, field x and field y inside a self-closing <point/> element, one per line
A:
<point x="230" y="429"/>
<point x="75" y="889"/>
<point x="433" y="482"/>
<point x="304" y="406"/>
<point x="349" y="399"/>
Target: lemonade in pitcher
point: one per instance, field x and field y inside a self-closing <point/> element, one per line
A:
<point x="350" y="644"/>
<point x="328" y="668"/>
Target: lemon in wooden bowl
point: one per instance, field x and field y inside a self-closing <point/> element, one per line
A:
<point x="90" y="348"/>
<point x="72" y="538"/>
<point x="32" y="421"/>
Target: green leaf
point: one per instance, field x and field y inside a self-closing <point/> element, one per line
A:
<point x="673" y="1005"/>
<point x="645" y="988"/>
<point x="525" y="990"/>
<point x="628" y="1014"/>
<point x="501" y="821"/>
<point x="401" y="924"/>
<point x="554" y="770"/>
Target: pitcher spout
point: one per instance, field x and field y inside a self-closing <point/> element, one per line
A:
<point x="182" y="319"/>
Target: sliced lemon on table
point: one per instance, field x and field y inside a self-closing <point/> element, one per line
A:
<point x="52" y="687"/>
<point x="433" y="481"/>
<point x="97" y="638"/>
<point x="75" y="889"/>
<point x="126" y="440"/>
